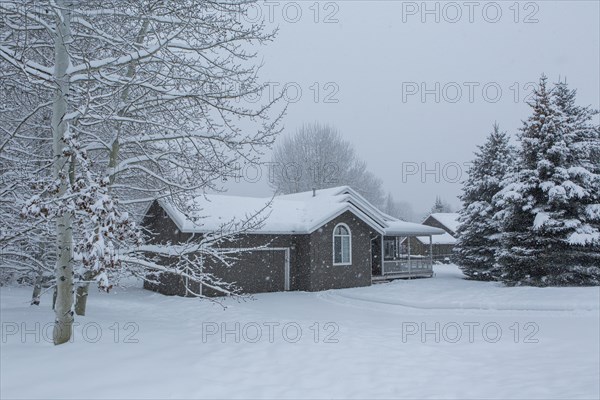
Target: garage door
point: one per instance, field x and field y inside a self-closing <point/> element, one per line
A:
<point x="257" y="270"/>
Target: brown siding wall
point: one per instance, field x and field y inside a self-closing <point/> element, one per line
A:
<point x="323" y="274"/>
<point x="440" y="251"/>
<point x="311" y="258"/>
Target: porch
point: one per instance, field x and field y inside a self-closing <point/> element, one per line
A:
<point x="416" y="267"/>
<point x="393" y="258"/>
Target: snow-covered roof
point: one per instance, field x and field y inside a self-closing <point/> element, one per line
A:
<point x="298" y="213"/>
<point x="395" y="227"/>
<point x="449" y="220"/>
<point x="446" y="238"/>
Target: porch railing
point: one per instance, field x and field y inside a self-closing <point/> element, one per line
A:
<point x="408" y="267"/>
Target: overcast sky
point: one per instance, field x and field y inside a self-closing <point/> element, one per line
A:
<point x="372" y="60"/>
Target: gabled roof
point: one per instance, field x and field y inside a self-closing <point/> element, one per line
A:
<point x="449" y="220"/>
<point x="298" y="213"/>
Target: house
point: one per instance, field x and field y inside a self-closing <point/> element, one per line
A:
<point x="311" y="241"/>
<point x="442" y="245"/>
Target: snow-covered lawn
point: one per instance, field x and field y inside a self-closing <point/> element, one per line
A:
<point x="358" y="343"/>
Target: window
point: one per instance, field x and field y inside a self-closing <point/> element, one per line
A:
<point x="390" y="249"/>
<point x="394" y="248"/>
<point x="342" y="245"/>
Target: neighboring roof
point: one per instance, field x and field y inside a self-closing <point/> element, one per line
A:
<point x="446" y="238"/>
<point x="449" y="220"/>
<point x="298" y="213"/>
<point x="401" y="228"/>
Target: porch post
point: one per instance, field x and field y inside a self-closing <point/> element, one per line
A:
<point x="431" y="252"/>
<point x="286" y="283"/>
<point x="409" y="262"/>
<point x="382" y="262"/>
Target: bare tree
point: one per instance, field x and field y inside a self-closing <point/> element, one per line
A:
<point x="25" y="255"/>
<point x="317" y="156"/>
<point x="146" y="99"/>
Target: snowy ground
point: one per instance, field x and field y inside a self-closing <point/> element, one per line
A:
<point x="138" y="344"/>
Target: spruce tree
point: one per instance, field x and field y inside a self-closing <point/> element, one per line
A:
<point x="478" y="233"/>
<point x="571" y="182"/>
<point x="440" y="206"/>
<point x="550" y="208"/>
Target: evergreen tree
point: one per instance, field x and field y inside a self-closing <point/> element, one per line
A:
<point x="550" y="208"/>
<point x="571" y="182"/>
<point x="478" y="234"/>
<point x="440" y="206"/>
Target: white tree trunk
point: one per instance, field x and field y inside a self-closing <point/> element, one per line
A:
<point x="82" y="294"/>
<point x="37" y="289"/>
<point x="64" y="233"/>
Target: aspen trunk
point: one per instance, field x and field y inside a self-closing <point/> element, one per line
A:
<point x="37" y="289"/>
<point x="82" y="294"/>
<point x="81" y="298"/>
<point x="39" y="280"/>
<point x="64" y="231"/>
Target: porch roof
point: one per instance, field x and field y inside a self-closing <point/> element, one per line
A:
<point x="402" y="228"/>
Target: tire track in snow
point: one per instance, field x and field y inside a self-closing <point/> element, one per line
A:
<point x="363" y="302"/>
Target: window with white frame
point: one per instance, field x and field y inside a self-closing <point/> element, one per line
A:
<point x="342" y="245"/>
